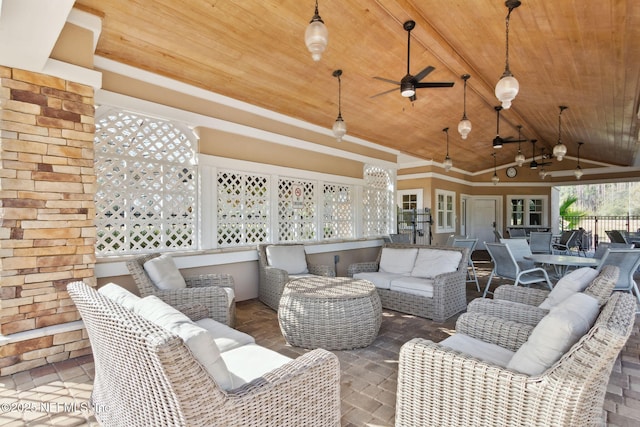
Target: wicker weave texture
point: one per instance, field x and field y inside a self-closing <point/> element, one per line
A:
<point x="331" y="313"/>
<point x="272" y="280"/>
<point x="145" y="376"/>
<point x="449" y="289"/>
<point x="441" y="387"/>
<point x="206" y="289"/>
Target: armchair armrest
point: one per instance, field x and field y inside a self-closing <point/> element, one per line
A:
<point x="194" y="312"/>
<point x="508" y="310"/>
<point x="322" y="270"/>
<point x="362" y="267"/>
<point x="223" y="280"/>
<point x="215" y="298"/>
<point x="522" y="295"/>
<point x="505" y="333"/>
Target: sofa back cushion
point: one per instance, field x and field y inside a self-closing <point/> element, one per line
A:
<point x="290" y="258"/>
<point x="432" y="262"/>
<point x="556" y="333"/>
<point x="576" y="281"/>
<point x="197" y="338"/>
<point x="164" y="273"/>
<point x="119" y="295"/>
<point x="397" y="260"/>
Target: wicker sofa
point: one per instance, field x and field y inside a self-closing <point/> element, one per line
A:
<point x="438" y="385"/>
<point x="147" y="375"/>
<point x="426" y="281"/>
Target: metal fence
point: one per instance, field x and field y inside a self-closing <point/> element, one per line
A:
<point x="414" y="226"/>
<point x="596" y="226"/>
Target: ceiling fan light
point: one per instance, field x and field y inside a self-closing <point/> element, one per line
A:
<point x="407" y="89"/>
<point x="497" y="143"/>
<point x="495" y="179"/>
<point x="507" y="89"/>
<point x="520" y="158"/>
<point x="339" y="128"/>
<point x="448" y="163"/>
<point x="464" y="127"/>
<point x="559" y="151"/>
<point x="578" y="172"/>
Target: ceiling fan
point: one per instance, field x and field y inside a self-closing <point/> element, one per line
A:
<point x="534" y="164"/>
<point x="409" y="83"/>
<point x="498" y="141"/>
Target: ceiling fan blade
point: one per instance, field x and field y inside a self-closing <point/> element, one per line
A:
<point x="433" y="84"/>
<point x="384" y="93"/>
<point x="422" y="74"/>
<point x="387" y="80"/>
<point x="510" y="139"/>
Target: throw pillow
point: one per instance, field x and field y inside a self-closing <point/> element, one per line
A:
<point x="164" y="273"/>
<point x="397" y="261"/>
<point x="197" y="338"/>
<point x="556" y="333"/>
<point x="576" y="281"/>
<point x="119" y="295"/>
<point x="290" y="258"/>
<point x="432" y="262"/>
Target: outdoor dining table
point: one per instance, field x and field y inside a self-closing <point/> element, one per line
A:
<point x="561" y="263"/>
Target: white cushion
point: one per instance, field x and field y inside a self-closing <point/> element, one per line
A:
<point x="163" y="273"/>
<point x="380" y="279"/>
<point x="226" y="338"/>
<point x="231" y="295"/>
<point x="197" y="338"/>
<point x="398" y="261"/>
<point x="413" y="285"/>
<point x="119" y="295"/>
<point x="432" y="262"/>
<point x="556" y="333"/>
<point x="576" y="281"/>
<point x="290" y="258"/>
<point x="251" y="361"/>
<point x="491" y="353"/>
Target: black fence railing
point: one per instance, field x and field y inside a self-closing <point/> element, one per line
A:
<point x="415" y="225"/>
<point x="596" y="226"/>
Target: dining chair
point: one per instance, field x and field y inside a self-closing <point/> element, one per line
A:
<point x="563" y="246"/>
<point x="603" y="246"/>
<point x="520" y="249"/>
<point x="615" y="236"/>
<point x="498" y="235"/>
<point x="517" y="232"/>
<point x="540" y="242"/>
<point x="506" y="267"/>
<point x="627" y="260"/>
<point x="471" y="271"/>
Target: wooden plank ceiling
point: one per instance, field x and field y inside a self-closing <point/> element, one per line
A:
<point x="573" y="53"/>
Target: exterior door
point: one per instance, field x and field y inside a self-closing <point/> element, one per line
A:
<point x="482" y="220"/>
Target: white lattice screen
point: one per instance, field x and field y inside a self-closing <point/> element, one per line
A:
<point x="338" y="219"/>
<point x="243" y="208"/>
<point x="377" y="201"/>
<point x="147" y="185"/>
<point x="296" y="212"/>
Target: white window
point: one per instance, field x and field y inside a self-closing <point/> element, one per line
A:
<point x="527" y="211"/>
<point x="147" y="178"/>
<point x="445" y="211"/>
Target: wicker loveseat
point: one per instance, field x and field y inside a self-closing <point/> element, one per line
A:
<point x="146" y="375"/>
<point x="419" y="286"/>
<point x="441" y="386"/>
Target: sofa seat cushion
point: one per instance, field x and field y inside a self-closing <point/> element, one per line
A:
<point x="164" y="273"/>
<point x="226" y="338"/>
<point x="432" y="262"/>
<point x="413" y="285"/>
<point x="197" y="338"/>
<point x="398" y="261"/>
<point x="556" y="333"/>
<point x="291" y="258"/>
<point x="119" y="295"/>
<point x="490" y="353"/>
<point x="251" y="361"/>
<point x="575" y="281"/>
<point x="379" y="279"/>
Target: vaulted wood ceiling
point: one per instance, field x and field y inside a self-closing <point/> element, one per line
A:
<point x="580" y="54"/>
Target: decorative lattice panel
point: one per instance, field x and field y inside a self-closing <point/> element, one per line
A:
<point x="243" y="208"/>
<point x="338" y="221"/>
<point x="296" y="210"/>
<point x="147" y="185"/>
<point x="377" y="201"/>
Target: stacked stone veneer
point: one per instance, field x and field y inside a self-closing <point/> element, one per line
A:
<point x="47" y="231"/>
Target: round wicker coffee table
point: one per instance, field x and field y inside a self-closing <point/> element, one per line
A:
<point x="334" y="313"/>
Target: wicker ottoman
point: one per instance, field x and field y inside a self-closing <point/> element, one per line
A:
<point x="334" y="313"/>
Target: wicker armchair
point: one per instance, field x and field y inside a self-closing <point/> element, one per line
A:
<point x="443" y="387"/>
<point x="206" y="289"/>
<point x="522" y="304"/>
<point x="146" y="376"/>
<point x="272" y="279"/>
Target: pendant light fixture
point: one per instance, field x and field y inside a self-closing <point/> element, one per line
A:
<point x="508" y="87"/>
<point x="495" y="178"/>
<point x="448" y="163"/>
<point x="519" y="157"/>
<point x="559" y="150"/>
<point x="578" y="171"/>
<point x="316" y="36"/>
<point x="464" y="127"/>
<point x="339" y="126"/>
